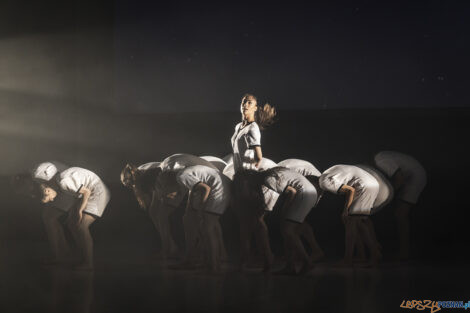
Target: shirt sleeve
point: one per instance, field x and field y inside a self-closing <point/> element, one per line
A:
<point x="271" y="183"/>
<point x="253" y="137"/>
<point x="329" y="183"/>
<point x="71" y="184"/>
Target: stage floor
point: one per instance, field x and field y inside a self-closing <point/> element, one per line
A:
<point x="146" y="285"/>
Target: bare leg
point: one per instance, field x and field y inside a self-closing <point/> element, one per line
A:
<point x="212" y="240"/>
<point x="350" y="238"/>
<point x="360" y="249"/>
<point x="306" y="231"/>
<point x="223" y="252"/>
<point x="370" y="226"/>
<point x="159" y="213"/>
<point x="192" y="225"/>
<point x="247" y="225"/>
<point x="402" y="211"/>
<point x="55" y="233"/>
<point x="290" y="232"/>
<point x="262" y="235"/>
<point x="84" y="241"/>
<point x="369" y="239"/>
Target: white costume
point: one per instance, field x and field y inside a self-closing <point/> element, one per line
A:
<point x="386" y="192"/>
<point x="180" y="161"/>
<point x="177" y="162"/>
<point x="244" y="139"/>
<point x="149" y="166"/>
<point x="73" y="179"/>
<point x="228" y="158"/>
<point x="217" y="162"/>
<point x="219" y="195"/>
<point x="265" y="164"/>
<point x="302" y="167"/>
<point x="305" y="198"/>
<point x="390" y="162"/>
<point x="365" y="185"/>
<point x="47" y="170"/>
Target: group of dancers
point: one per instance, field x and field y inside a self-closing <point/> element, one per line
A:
<point x="245" y="181"/>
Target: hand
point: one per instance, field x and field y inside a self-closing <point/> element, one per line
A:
<point x="171" y="195"/>
<point x="257" y="163"/>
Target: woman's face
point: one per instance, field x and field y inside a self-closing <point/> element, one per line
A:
<point x="49" y="194"/>
<point x="248" y="106"/>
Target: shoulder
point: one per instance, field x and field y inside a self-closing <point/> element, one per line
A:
<point x="254" y="126"/>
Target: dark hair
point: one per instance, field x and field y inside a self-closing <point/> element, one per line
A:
<point x="166" y="183"/>
<point x="265" y="116"/>
<point x="253" y="202"/>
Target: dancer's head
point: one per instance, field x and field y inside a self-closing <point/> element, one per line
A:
<point x="141" y="182"/>
<point x="167" y="188"/>
<point x="264" y="116"/>
<point x="48" y="192"/>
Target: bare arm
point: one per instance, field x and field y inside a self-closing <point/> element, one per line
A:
<point x="76" y="215"/>
<point x="349" y="191"/>
<point x="290" y="193"/>
<point x="204" y="189"/>
<point x="398" y="179"/>
<point x="258" y="155"/>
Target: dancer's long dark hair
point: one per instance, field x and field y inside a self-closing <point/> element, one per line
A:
<point x="265" y="116"/>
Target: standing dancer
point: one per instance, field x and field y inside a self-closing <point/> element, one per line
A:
<point x="94" y="197"/>
<point x="360" y="189"/>
<point x="300" y="196"/>
<point x="409" y="179"/>
<point x="209" y="197"/>
<point x="169" y="195"/>
<point x="246" y="148"/>
<point x="246" y="141"/>
<point x="309" y="171"/>
<point x="141" y="179"/>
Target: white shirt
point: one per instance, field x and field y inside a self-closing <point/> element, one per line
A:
<point x="149" y="166"/>
<point x="219" y="184"/>
<point x="390" y="162"/>
<point x="244" y="140"/>
<point x="386" y="191"/>
<point x="265" y="164"/>
<point x="217" y="162"/>
<point x="283" y="177"/>
<point x="180" y="161"/>
<point x="302" y="167"/>
<point x="74" y="178"/>
<point x="336" y="176"/>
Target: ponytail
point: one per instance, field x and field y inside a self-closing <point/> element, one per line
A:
<point x="265" y="116"/>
